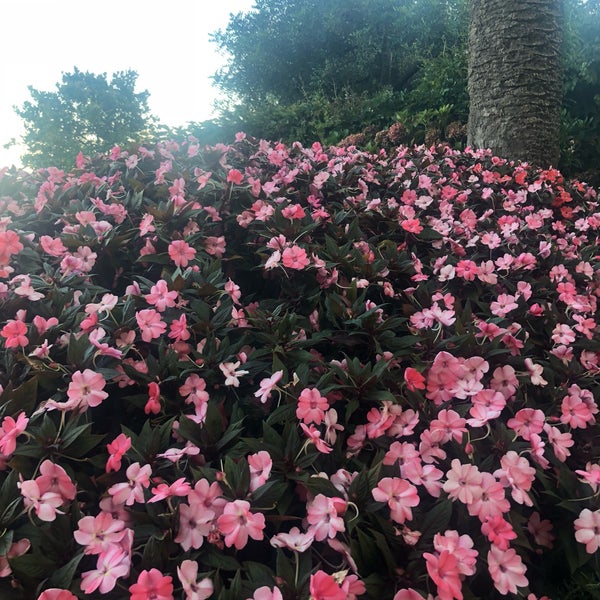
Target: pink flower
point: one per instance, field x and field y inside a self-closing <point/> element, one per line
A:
<point x="53" y="478"/>
<point x="463" y="482"/>
<point x="99" y="533"/>
<point x="237" y="523"/>
<point x="150" y="323"/>
<point x="400" y="495"/>
<point x="11" y="430"/>
<point x="294" y="540"/>
<point x="234" y="176"/>
<point x="86" y="390"/>
<point x="414" y="380"/>
<point x="267" y="385"/>
<point x="311" y="406"/>
<point x="153" y="403"/>
<point x="498" y="531"/>
<point x="265" y="593"/>
<point x="180" y="487"/>
<point x="314" y="437"/>
<point x="14" y="333"/>
<point x="444" y="570"/>
<point x="231" y="372"/>
<point x="587" y="529"/>
<point x="56" y="594"/>
<point x="260" y="468"/>
<point x="44" y="504"/>
<point x="195" y="523"/>
<point x="517" y="473"/>
<point x="133" y="490"/>
<point x="507" y="570"/>
<point x="16" y="549"/>
<point x="325" y="587"/>
<point x="215" y="245"/>
<point x="295" y="257"/>
<point x="117" y="449"/>
<point x="407" y="594"/>
<point x="181" y="253"/>
<point x="194" y="589"/>
<point x="323" y="515"/>
<point x="152" y="584"/>
<point x="161" y="297"/>
<point x="541" y="530"/>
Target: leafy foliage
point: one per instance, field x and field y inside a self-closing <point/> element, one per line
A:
<point x="316" y="371"/>
<point x="88" y="112"/>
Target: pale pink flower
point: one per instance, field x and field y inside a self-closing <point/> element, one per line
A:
<point x="591" y="475"/>
<point x="535" y="373"/>
<point x="231" y="372"/>
<point x="407" y="594"/>
<point x="260" y="468"/>
<point x="267" y="386"/>
<point x="460" y="546"/>
<point x="150" y="323"/>
<point x="527" y="421"/>
<point x="237" y="523"/>
<point x="195" y="523"/>
<point x="463" y="482"/>
<point x="517" y="473"/>
<point x="587" y="529"/>
<point x="16" y="549"/>
<point x="293" y="540"/>
<point x="492" y="500"/>
<point x="178" y="488"/>
<point x="507" y="570"/>
<point x="265" y="593"/>
<point x="314" y="437"/>
<point x="448" y="425"/>
<point x="44" y="504"/>
<point x="99" y="533"/>
<point x="194" y="589"/>
<point x="323" y="516"/>
<point x="53" y="478"/>
<point x="138" y="478"/>
<point x="112" y="564"/>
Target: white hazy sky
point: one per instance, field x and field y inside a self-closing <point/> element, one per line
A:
<point x="165" y="41"/>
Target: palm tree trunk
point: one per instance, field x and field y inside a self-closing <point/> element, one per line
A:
<point x="515" y="78"/>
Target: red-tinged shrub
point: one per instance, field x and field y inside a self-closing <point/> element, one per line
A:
<point x="259" y="371"/>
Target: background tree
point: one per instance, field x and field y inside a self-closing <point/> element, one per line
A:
<point x="515" y="78"/>
<point x="87" y="112"/>
<point x="306" y="69"/>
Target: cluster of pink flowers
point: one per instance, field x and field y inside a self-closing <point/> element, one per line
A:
<point x="266" y="372"/>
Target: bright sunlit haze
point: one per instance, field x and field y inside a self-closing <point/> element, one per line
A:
<point x="167" y="44"/>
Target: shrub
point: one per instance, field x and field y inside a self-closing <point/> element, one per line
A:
<point x="261" y="371"/>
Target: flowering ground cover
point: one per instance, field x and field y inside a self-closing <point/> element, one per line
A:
<point x="254" y="371"/>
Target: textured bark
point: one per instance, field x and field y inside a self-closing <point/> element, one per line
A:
<point x="515" y="78"/>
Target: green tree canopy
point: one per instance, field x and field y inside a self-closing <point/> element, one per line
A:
<point x="87" y="112"/>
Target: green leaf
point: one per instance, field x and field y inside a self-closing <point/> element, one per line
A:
<point x="62" y="578"/>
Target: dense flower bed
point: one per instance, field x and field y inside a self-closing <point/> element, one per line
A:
<point x="270" y="372"/>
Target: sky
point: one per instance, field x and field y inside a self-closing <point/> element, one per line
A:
<point x="165" y="41"/>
